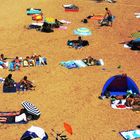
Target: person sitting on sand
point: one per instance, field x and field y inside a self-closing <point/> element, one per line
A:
<point x="9" y="82"/>
<point x="90" y="61"/>
<point x="2" y="61"/>
<point x="17" y="63"/>
<point x="26" y="84"/>
<point x="108" y="15"/>
<point x="57" y="23"/>
<point x="42" y="60"/>
<point x="78" y="43"/>
<point x="130" y="101"/>
<point x="30" y="61"/>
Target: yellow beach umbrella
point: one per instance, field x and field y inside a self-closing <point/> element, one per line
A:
<point x="49" y="20"/>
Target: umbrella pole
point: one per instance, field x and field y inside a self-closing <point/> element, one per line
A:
<point x="59" y="135"/>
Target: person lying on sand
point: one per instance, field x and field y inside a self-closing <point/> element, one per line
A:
<point x="2" y="61"/>
<point x="17" y="63"/>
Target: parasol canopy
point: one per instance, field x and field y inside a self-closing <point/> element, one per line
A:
<point x="68" y="128"/>
<point x="82" y="32"/>
<point x="32" y="109"/>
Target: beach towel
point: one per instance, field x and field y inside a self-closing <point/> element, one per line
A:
<point x="97" y="17"/>
<point x="33" y="11"/>
<point x="12" y="113"/>
<point x="137" y="15"/>
<point x="6" y="63"/>
<point x="130" y="134"/>
<point x="65" y="21"/>
<point x="62" y="28"/>
<point x="76" y="63"/>
<point x="67" y="5"/>
<point x="126" y="46"/>
<point x="71" y="8"/>
<point x="119" y="104"/>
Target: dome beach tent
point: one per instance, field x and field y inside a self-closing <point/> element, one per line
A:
<point x="119" y="85"/>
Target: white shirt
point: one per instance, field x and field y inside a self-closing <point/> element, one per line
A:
<point x="21" y="117"/>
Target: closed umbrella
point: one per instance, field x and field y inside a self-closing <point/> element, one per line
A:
<point x="82" y="32"/>
<point x="32" y="109"/>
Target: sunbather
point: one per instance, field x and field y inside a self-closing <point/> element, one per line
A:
<point x="17" y="63"/>
<point x="26" y="84"/>
<point x="130" y="101"/>
<point x="90" y="61"/>
<point x="23" y="118"/>
<point x="2" y="61"/>
<point x="9" y="82"/>
<point x="42" y="60"/>
<point x="30" y="61"/>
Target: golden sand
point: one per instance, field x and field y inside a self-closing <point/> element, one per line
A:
<point x="65" y="95"/>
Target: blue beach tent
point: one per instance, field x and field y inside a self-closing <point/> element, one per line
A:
<point x="118" y="85"/>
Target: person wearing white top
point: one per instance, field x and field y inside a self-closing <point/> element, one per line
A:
<point x="15" y="119"/>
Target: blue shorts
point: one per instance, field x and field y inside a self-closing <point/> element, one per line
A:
<point x="109" y="18"/>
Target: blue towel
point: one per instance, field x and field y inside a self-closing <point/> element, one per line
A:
<point x="130" y="134"/>
<point x="30" y="12"/>
<point x="69" y="64"/>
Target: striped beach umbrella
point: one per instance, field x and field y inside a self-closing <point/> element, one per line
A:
<point x="82" y="32"/>
<point x="32" y="109"/>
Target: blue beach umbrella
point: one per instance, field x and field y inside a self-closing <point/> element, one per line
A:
<point x="32" y="109"/>
<point x="82" y="32"/>
<point x="34" y="133"/>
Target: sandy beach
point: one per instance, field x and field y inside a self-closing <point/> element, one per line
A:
<point x="64" y="95"/>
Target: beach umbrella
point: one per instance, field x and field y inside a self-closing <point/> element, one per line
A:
<point x="49" y="20"/>
<point x="34" y="133"/>
<point x="32" y="109"/>
<point x="68" y="128"/>
<point x="37" y="17"/>
<point x="82" y="32"/>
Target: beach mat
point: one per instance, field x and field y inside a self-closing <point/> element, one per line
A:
<point x="13" y="113"/>
<point x="32" y="11"/>
<point x="130" y="134"/>
<point x="73" y="64"/>
<point x="97" y="17"/>
<point x="76" y="63"/>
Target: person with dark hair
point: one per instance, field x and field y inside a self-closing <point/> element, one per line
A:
<point x="78" y="42"/>
<point x="2" y="61"/>
<point x="9" y="82"/>
<point x="17" y="63"/>
<point x="26" y="84"/>
<point x="20" y="118"/>
<point x="108" y="15"/>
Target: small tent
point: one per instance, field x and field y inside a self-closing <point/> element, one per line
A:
<point x="34" y="132"/>
<point x="119" y="85"/>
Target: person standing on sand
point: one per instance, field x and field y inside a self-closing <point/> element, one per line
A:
<point x="108" y="15"/>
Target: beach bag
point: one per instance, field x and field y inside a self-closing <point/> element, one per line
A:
<point x="69" y="43"/>
<point x="85" y="21"/>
